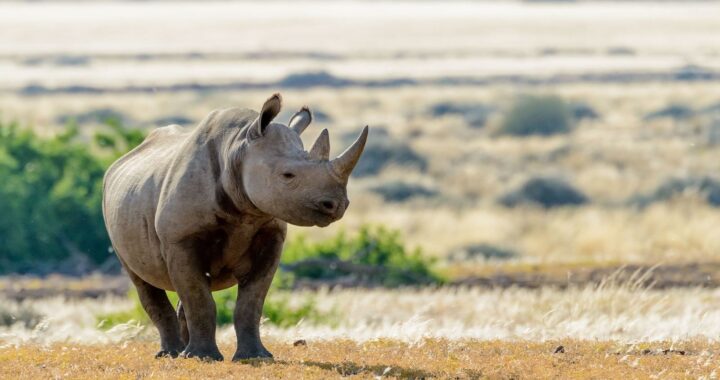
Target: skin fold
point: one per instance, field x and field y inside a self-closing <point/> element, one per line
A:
<point x="193" y="211"/>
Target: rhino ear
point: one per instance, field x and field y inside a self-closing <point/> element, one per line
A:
<point x="300" y="120"/>
<point x="269" y="110"/>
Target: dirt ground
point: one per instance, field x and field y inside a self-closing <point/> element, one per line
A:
<point x="376" y="359"/>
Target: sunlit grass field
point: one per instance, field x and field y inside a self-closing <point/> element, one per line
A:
<point x="608" y="331"/>
<point x="432" y="358"/>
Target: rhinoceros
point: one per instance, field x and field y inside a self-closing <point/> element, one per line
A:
<point x="194" y="211"/>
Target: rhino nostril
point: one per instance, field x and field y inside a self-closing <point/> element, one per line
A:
<point x="328" y="205"/>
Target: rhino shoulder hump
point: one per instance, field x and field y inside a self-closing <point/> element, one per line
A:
<point x="169" y="130"/>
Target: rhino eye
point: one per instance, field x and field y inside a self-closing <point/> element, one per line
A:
<point x="288" y="175"/>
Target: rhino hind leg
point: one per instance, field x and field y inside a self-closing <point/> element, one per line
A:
<point x="161" y="313"/>
<point x="252" y="290"/>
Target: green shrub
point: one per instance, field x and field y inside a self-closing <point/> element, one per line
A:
<point x="375" y="256"/>
<point x="51" y="194"/>
<point x="279" y="313"/>
<point x="537" y="115"/>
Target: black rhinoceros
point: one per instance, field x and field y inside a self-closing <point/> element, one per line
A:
<point x="199" y="210"/>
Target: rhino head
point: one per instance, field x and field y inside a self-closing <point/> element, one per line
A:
<point x="284" y="180"/>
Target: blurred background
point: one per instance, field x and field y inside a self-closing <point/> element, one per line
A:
<point x="523" y="144"/>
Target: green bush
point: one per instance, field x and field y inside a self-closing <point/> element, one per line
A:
<point x="375" y="256"/>
<point x="51" y="194"/>
<point x="537" y="115"/>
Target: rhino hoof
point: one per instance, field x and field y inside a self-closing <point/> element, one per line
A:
<point x="245" y="355"/>
<point x="205" y="355"/>
<point x="167" y="354"/>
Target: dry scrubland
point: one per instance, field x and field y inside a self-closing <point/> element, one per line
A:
<point x="461" y="162"/>
<point x="149" y="66"/>
<point x="611" y="160"/>
<point x="464" y="359"/>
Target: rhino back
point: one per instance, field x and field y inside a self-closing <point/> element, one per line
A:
<point x="134" y="173"/>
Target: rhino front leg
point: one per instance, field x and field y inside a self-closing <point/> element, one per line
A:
<point x="187" y="274"/>
<point x="184" y="335"/>
<point x="161" y="313"/>
<point x="252" y="290"/>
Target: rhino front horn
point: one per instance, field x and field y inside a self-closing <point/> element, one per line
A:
<point x="344" y="164"/>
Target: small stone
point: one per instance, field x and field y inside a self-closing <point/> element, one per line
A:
<point x="300" y="342"/>
<point x="560" y="350"/>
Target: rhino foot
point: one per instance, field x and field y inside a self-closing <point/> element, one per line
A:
<point x="209" y="354"/>
<point x="261" y="353"/>
<point x="167" y="354"/>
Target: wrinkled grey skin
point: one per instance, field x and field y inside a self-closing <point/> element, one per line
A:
<point x="199" y="210"/>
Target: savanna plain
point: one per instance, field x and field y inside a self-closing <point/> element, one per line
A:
<point x="538" y="198"/>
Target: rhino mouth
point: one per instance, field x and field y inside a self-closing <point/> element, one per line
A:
<point x="323" y="219"/>
<point x="315" y="217"/>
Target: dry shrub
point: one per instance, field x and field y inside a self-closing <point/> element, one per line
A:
<point x="545" y="192"/>
<point x="544" y="115"/>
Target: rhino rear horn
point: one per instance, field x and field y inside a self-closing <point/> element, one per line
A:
<point x="321" y="148"/>
<point x="344" y="164"/>
<point x="300" y="120"/>
<point x="270" y="109"/>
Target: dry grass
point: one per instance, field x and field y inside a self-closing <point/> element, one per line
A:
<point x="382" y="358"/>
<point x="626" y="312"/>
<point x="681" y="231"/>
